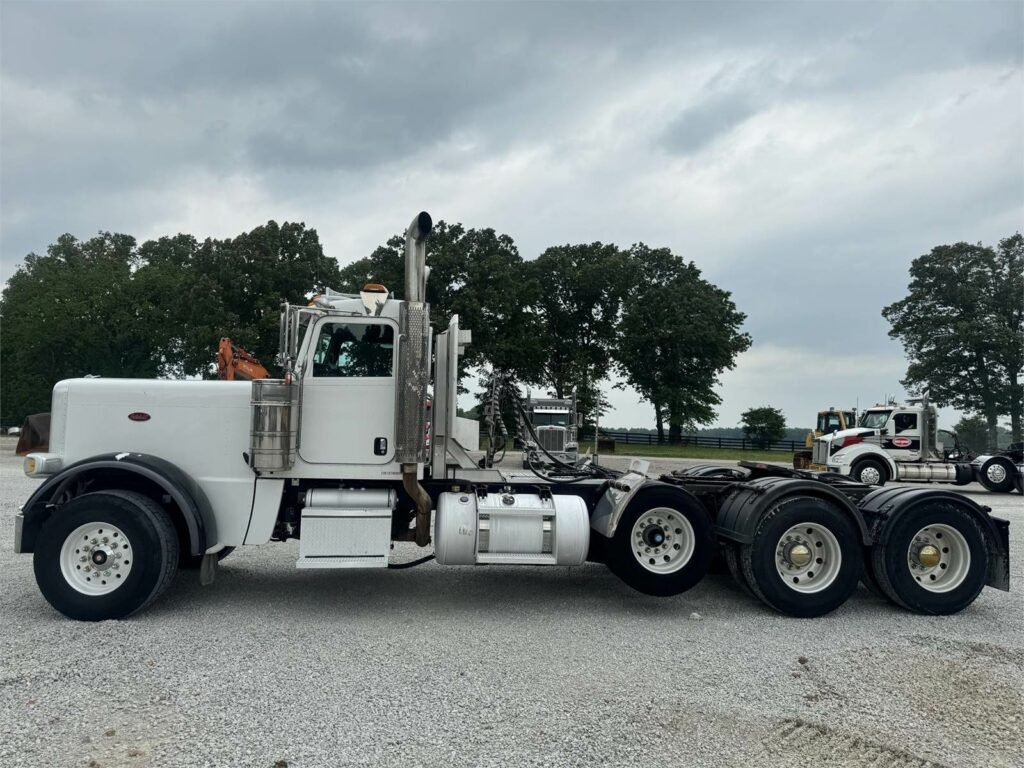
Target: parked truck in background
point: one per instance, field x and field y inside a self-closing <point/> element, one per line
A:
<point x="554" y="423"/>
<point x="141" y="476"/>
<point x="903" y="442"/>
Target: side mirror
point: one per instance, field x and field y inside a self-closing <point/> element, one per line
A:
<point x="579" y="419"/>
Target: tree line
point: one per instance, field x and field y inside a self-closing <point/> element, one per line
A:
<point x="565" y="321"/>
<point x="962" y="328"/>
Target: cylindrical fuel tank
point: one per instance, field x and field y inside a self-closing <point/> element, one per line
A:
<point x="523" y="528"/>
<point x="941" y="473"/>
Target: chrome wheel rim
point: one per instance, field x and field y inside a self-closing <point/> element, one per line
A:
<point x="996" y="473"/>
<point x="870" y="476"/>
<point x="808" y="558"/>
<point x="938" y="558"/>
<point x="96" y="558"/>
<point x="662" y="540"/>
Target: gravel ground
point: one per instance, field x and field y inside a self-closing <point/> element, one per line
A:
<point x="499" y="666"/>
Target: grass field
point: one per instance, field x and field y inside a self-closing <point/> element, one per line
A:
<point x="693" y="452"/>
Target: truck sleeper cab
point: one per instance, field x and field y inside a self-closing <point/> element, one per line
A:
<point x="334" y="454"/>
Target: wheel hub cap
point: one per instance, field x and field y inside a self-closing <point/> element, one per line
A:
<point x="939" y="558"/>
<point x="996" y="473"/>
<point x="928" y="556"/>
<point x="654" y="535"/>
<point x="798" y="554"/>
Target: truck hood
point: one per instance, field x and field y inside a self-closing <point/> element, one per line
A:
<point x="843" y="433"/>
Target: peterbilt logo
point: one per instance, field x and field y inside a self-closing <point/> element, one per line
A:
<point x="138" y="416"/>
<point x="902" y="442"/>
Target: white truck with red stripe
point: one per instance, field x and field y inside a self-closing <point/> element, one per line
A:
<point x="903" y="442"/>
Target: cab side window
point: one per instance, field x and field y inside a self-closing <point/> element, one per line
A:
<point x="354" y="350"/>
<point x="904" y="421"/>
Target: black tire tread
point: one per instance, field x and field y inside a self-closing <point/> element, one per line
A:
<point x="746" y="553"/>
<point x="168" y="541"/>
<point x="881" y="573"/>
<point x="731" y="555"/>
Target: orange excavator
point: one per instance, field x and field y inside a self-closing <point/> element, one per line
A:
<point x="234" y="363"/>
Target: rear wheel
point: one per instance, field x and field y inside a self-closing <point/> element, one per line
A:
<point x="663" y="544"/>
<point x="931" y="559"/>
<point x="105" y="555"/>
<point x="869" y="472"/>
<point x="805" y="559"/>
<point x="997" y="474"/>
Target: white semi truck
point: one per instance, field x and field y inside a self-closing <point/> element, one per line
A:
<point x="142" y="476"/>
<point x="904" y="443"/>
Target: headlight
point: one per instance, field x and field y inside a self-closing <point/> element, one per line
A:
<point x="40" y="464"/>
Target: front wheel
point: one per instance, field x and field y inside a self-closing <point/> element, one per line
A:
<point x="931" y="559"/>
<point x="663" y="544"/>
<point x="105" y="555"/>
<point x="805" y="559"/>
<point x="997" y="474"/>
<point x="869" y="472"/>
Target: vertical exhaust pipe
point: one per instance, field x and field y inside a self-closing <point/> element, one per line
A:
<point x="414" y="359"/>
<point x="416" y="257"/>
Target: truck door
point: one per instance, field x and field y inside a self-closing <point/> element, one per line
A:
<point x="348" y="392"/>
<point x="903" y="436"/>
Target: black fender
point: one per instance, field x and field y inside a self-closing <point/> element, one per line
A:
<point x="742" y="510"/>
<point x="882" y="505"/>
<point x="186" y="494"/>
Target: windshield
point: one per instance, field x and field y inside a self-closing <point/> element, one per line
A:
<point x="828" y="422"/>
<point x="875" y="419"/>
<point x="550" y="419"/>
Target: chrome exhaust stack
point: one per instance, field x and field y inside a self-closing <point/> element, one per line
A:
<point x="413" y="364"/>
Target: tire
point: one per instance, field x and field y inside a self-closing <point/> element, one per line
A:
<point x="688" y="531"/>
<point x="871" y="468"/>
<point x="821" y="528"/>
<point x="190" y="562"/>
<point x="997" y="474"/>
<point x="892" y="559"/>
<point x="867" y="577"/>
<point x="112" y="523"/>
<point x="731" y="555"/>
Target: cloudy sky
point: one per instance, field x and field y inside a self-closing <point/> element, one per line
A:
<point x="801" y="154"/>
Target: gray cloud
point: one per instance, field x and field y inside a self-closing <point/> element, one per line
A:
<point x="796" y="151"/>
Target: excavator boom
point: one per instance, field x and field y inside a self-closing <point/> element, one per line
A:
<point x="235" y="363"/>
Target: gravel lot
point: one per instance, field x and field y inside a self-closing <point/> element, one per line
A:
<point x="499" y="666"/>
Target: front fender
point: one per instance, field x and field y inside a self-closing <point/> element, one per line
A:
<point x="844" y="458"/>
<point x="180" y="487"/>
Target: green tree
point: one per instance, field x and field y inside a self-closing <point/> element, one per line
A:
<point x="579" y="291"/>
<point x="477" y="274"/>
<point x="972" y="432"/>
<point x="677" y="334"/>
<point x="962" y="327"/>
<point x="104" y="306"/>
<point x="72" y="312"/>
<point x="763" y="425"/>
<point x="231" y="287"/>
